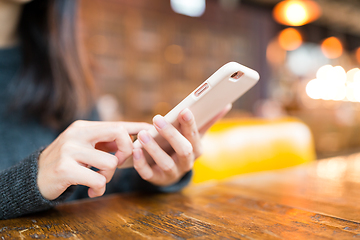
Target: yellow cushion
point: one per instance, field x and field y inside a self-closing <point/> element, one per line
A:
<point x="236" y="146"/>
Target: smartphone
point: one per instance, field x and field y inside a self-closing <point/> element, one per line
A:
<point x="225" y="86"/>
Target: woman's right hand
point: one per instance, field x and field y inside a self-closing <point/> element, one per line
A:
<point x="85" y="144"/>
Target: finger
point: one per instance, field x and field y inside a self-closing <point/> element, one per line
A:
<point x="87" y="177"/>
<point x="215" y="119"/>
<point x="134" y="128"/>
<point x="109" y="146"/>
<point x="103" y="131"/>
<point x="141" y="165"/>
<point x="189" y="130"/>
<point x="178" y="142"/>
<point x="161" y="158"/>
<point x="114" y="132"/>
<point x="93" y="132"/>
<point x="105" y="162"/>
<point x="153" y="174"/>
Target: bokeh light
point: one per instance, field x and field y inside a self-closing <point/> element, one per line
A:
<point x="356" y="86"/>
<point x="333" y="83"/>
<point x="332" y="47"/>
<point x="358" y="55"/>
<point x="353" y="85"/>
<point x="357" y="76"/>
<point x="323" y="72"/>
<point x="356" y="89"/>
<point x="313" y="89"/>
<point x="296" y="13"/>
<point x="290" y="39"/>
<point x="350" y="74"/>
<point x="192" y="8"/>
<point x="330" y="84"/>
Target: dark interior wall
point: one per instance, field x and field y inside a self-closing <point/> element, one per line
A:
<point x="127" y="41"/>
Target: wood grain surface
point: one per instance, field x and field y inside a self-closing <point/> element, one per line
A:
<point x="316" y="201"/>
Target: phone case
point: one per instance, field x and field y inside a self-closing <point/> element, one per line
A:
<point x="223" y="87"/>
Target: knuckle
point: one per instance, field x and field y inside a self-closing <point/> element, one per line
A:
<point x="67" y="150"/>
<point x="139" y="165"/>
<point x="127" y="151"/>
<point x="190" y="123"/>
<point x="118" y="126"/>
<point x="193" y="132"/>
<point x="62" y="168"/>
<point x="78" y="123"/>
<point x="147" y="176"/>
<point x="66" y="147"/>
<point x="113" y="162"/>
<point x="170" y="170"/>
<point x="121" y="131"/>
<point x="187" y="151"/>
<point x="71" y="131"/>
<point x="100" y="183"/>
<point x="68" y="133"/>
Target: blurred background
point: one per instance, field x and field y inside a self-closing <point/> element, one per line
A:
<point x="147" y="56"/>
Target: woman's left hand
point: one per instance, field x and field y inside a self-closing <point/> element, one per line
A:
<point x="186" y="144"/>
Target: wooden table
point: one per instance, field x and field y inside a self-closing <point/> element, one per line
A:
<point x="316" y="201"/>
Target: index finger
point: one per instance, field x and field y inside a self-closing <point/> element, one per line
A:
<point x="134" y="128"/>
<point x="91" y="133"/>
<point x="97" y="131"/>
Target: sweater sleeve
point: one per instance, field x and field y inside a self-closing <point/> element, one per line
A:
<point x="19" y="193"/>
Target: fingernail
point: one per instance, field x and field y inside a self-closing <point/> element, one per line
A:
<point x="144" y="136"/>
<point x="187" y="115"/>
<point x="159" y="121"/>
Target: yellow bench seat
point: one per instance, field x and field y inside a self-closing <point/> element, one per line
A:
<point x="237" y="146"/>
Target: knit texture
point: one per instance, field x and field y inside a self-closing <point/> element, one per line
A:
<point x="19" y="193"/>
<point x="21" y="142"/>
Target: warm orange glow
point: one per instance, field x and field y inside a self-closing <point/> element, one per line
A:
<point x="332" y="47"/>
<point x="296" y="12"/>
<point x="174" y="54"/>
<point x="358" y="55"/>
<point x="162" y="108"/>
<point x="290" y="39"/>
<point x="275" y="54"/>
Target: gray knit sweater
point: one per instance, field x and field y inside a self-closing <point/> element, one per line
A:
<point x="20" y="145"/>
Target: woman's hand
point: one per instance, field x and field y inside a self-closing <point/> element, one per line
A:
<point x="68" y="159"/>
<point x="186" y="144"/>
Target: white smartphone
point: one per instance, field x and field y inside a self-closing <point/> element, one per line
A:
<point x="223" y="87"/>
